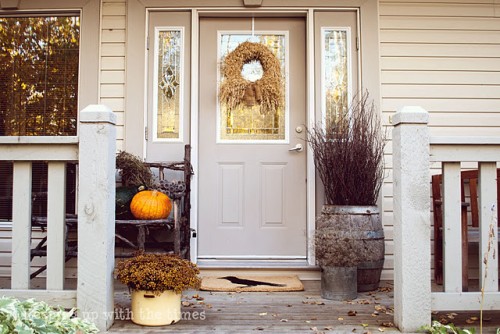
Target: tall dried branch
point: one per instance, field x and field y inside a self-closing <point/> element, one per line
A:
<point x="349" y="154"/>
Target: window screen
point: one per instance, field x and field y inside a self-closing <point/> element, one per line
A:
<point x="39" y="75"/>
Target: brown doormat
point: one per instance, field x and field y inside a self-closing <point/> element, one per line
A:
<point x="244" y="283"/>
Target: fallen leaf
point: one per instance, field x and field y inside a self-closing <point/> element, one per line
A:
<point x="314" y="328"/>
<point x="352" y="313"/>
<point x="387" y="324"/>
<point x="284" y="320"/>
<point x="474" y="318"/>
<point x="328" y="328"/>
<point x="340" y="318"/>
<point x="380" y="329"/>
<point x="186" y="304"/>
<point x="364" y="325"/>
<point x="260" y="328"/>
<point x="308" y="321"/>
<point x="263" y="313"/>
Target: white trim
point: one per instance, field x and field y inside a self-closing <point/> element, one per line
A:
<point x="311" y="120"/>
<point x="286" y="34"/>
<point x="347" y="30"/>
<point x="154" y="111"/>
<point x="146" y="74"/>
<point x="195" y="111"/>
<point x="252" y="257"/>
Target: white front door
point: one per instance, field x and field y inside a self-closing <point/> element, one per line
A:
<point x="252" y="184"/>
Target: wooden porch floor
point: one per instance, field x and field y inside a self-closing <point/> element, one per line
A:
<point x="285" y="312"/>
<point x="279" y="312"/>
<point x="276" y="312"/>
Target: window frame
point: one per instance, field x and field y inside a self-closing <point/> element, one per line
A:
<point x="88" y="73"/>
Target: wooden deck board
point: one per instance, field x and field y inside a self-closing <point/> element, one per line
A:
<point x="276" y="312"/>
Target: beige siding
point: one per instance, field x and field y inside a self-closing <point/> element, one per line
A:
<point x="112" y="80"/>
<point x="444" y="56"/>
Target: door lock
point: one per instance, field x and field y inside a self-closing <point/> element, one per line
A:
<point x="297" y="148"/>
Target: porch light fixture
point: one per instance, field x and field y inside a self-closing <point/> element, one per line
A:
<point x="9" y="4"/>
<point x="252" y="3"/>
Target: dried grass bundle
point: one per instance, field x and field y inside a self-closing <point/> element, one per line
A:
<point x="349" y="154"/>
<point x="133" y="171"/>
<point x="270" y="86"/>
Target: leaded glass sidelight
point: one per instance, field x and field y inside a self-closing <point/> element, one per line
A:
<point x="168" y="90"/>
<point x="336" y="79"/>
<point x="249" y="124"/>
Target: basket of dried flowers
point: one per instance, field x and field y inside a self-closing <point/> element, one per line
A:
<point x="156" y="282"/>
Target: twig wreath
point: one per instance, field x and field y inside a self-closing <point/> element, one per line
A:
<point x="267" y="91"/>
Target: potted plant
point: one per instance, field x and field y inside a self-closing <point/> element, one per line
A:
<point x="349" y="158"/>
<point x="156" y="282"/>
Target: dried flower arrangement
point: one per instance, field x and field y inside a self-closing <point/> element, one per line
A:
<point x="158" y="273"/>
<point x="349" y="154"/>
<point x="267" y="91"/>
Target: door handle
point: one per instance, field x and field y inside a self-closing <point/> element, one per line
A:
<point x="297" y="148"/>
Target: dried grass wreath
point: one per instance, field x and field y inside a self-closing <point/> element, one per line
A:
<point x="267" y="91"/>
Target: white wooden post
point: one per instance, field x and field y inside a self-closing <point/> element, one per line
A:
<point x="56" y="228"/>
<point x="96" y="215"/>
<point x="21" y="226"/>
<point x="412" y="257"/>
<point x="488" y="220"/>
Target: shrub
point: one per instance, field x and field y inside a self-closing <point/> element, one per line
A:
<point x="37" y="317"/>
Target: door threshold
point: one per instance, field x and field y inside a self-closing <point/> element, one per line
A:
<point x="254" y="264"/>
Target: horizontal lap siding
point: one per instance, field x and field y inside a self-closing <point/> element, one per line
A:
<point x="112" y="80"/>
<point x="445" y="57"/>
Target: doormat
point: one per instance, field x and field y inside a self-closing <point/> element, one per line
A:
<point x="245" y="283"/>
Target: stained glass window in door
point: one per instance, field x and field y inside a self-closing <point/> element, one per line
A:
<point x="335" y="72"/>
<point x="167" y="96"/>
<point x="248" y="123"/>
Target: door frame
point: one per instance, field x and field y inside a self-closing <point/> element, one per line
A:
<point x="137" y="17"/>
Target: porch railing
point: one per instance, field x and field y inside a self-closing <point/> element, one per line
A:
<point x="414" y="150"/>
<point x="94" y="150"/>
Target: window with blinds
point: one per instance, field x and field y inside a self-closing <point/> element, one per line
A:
<point x="39" y="62"/>
<point x="39" y="59"/>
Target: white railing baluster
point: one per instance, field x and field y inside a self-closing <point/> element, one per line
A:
<point x="452" y="231"/>
<point x="56" y="227"/>
<point x="488" y="222"/>
<point x="21" y="225"/>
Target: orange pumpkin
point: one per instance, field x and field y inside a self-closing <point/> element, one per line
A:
<point x="150" y="204"/>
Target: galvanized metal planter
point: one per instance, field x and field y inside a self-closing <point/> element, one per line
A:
<point x="365" y="224"/>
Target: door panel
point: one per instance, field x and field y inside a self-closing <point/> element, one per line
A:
<point x="169" y="40"/>
<point x="252" y="191"/>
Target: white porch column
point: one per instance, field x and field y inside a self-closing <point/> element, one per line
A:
<point x="412" y="230"/>
<point x="96" y="215"/>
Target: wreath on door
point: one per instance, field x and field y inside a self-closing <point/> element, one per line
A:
<point x="236" y="91"/>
